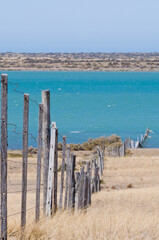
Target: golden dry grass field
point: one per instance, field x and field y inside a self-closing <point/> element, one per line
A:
<point x="127" y="208"/>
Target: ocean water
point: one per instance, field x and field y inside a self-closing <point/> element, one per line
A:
<point x="87" y="104"/>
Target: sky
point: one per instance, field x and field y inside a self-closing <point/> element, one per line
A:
<point x="79" y="25"/>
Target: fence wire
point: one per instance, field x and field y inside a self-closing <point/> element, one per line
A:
<point x="14" y="214"/>
<point x="31" y="187"/>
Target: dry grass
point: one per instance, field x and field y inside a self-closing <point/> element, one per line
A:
<point x="122" y="213"/>
<point x="91" y="144"/>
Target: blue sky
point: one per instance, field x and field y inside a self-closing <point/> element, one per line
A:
<point x="79" y="25"/>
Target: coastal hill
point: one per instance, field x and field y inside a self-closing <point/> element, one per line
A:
<point x="80" y="61"/>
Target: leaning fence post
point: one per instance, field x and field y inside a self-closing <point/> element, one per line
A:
<point x="25" y="158"/>
<point x="51" y="169"/>
<point x="4" y="103"/>
<point x="38" y="179"/>
<point x="67" y="176"/>
<point x="62" y="171"/>
<point x="46" y="142"/>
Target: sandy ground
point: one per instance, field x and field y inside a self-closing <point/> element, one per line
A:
<point x="125" y="209"/>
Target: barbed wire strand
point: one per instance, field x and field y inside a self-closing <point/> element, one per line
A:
<point x="30" y="99"/>
<point x="28" y="163"/>
<point x="15" y="90"/>
<point x="60" y="135"/>
<point x="14" y="214"/>
<point x="21" y="133"/>
<point x="19" y="184"/>
<point x="28" y="190"/>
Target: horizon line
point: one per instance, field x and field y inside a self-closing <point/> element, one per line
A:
<point x="98" y="52"/>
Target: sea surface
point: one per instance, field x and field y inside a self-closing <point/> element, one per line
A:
<point x="87" y="104"/>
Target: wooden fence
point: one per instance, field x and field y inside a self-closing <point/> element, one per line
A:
<point x="115" y="151"/>
<point x="140" y="142"/>
<point x="75" y="188"/>
<point x="120" y="150"/>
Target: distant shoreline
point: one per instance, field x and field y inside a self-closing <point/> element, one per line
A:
<point x="84" y="62"/>
<point x="77" y="70"/>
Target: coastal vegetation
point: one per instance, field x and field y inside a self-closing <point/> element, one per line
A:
<point x="79" y="61"/>
<point x="90" y="145"/>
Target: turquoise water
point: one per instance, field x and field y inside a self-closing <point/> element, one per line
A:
<point x="88" y="104"/>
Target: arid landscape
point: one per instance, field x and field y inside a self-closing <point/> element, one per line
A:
<point x="125" y="209"/>
<point x="79" y="61"/>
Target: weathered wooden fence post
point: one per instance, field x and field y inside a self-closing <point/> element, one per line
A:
<point x="96" y="177"/>
<point x="69" y="183"/>
<point x="38" y="179"/>
<point x="67" y="176"/>
<point x="121" y="150"/>
<point x="89" y="184"/>
<point x="81" y="187"/>
<point x="85" y="187"/>
<point x="46" y="141"/>
<point x="51" y="169"/>
<point x="73" y="192"/>
<point x="55" y="170"/>
<point x="94" y="165"/>
<point x="98" y="180"/>
<point x="4" y="103"/>
<point x="77" y="190"/>
<point x="25" y="158"/>
<point x="100" y="161"/>
<point x="62" y="172"/>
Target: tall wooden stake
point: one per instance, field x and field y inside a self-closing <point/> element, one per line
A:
<point x="46" y="142"/>
<point x="81" y="187"/>
<point x="4" y="100"/>
<point x="62" y="171"/>
<point x="89" y="184"/>
<point x="69" y="183"/>
<point x="38" y="181"/>
<point x="77" y="190"/>
<point x="25" y="158"/>
<point x="67" y="176"/>
<point x="85" y="189"/>
<point x="73" y="192"/>
<point x="56" y="170"/>
<point x="51" y="169"/>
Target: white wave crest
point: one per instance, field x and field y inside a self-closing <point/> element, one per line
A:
<point x="75" y="132"/>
